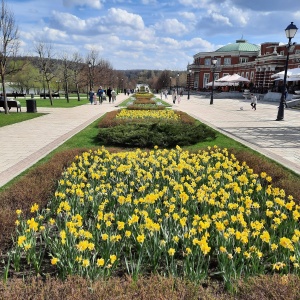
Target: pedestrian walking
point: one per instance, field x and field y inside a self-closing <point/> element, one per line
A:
<point x="108" y="93"/>
<point x="100" y="94"/>
<point x="253" y="101"/>
<point x="174" y="96"/>
<point x="91" y="96"/>
<point x="113" y="95"/>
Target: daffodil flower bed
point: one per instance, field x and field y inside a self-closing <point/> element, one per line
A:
<point x="192" y="215"/>
<point x="148" y="114"/>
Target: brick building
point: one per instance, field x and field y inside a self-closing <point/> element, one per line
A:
<point x="255" y="62"/>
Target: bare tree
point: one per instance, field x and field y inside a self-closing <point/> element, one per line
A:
<point x="76" y="68"/>
<point x="47" y="66"/>
<point x="9" y="44"/>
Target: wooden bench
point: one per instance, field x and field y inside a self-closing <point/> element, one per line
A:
<point x="54" y="95"/>
<point x="15" y="95"/>
<point x="10" y="104"/>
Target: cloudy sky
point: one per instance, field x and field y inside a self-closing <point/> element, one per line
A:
<point x="150" y="34"/>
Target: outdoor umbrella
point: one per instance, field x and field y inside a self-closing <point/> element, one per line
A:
<point x="291" y="73"/>
<point x="236" y="78"/>
<point x="223" y="79"/>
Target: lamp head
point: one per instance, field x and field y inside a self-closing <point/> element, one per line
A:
<point x="214" y="61"/>
<point x="291" y="30"/>
<point x="90" y="64"/>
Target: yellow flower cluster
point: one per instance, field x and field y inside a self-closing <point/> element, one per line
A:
<point x="147" y="114"/>
<point x="169" y="205"/>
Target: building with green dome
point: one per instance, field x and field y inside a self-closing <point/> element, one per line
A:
<point x="257" y="63"/>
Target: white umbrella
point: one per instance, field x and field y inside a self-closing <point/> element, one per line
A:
<point x="290" y="73"/>
<point x="223" y="79"/>
<point x="288" y="78"/>
<point x="237" y="78"/>
<point x="216" y="83"/>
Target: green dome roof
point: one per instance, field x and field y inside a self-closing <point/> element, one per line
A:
<point x="240" y="45"/>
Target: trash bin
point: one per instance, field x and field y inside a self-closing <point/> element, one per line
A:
<point x="31" y="106"/>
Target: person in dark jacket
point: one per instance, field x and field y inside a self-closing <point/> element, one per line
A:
<point x="108" y="93"/>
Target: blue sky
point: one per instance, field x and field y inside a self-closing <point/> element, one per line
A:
<point x="150" y="34"/>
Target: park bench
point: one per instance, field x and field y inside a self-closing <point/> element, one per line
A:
<point x="47" y="95"/>
<point x="15" y="95"/>
<point x="11" y="103"/>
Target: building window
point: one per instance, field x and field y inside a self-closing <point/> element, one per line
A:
<point x="205" y="79"/>
<point x="247" y="75"/>
<point x="207" y="62"/>
<point x="297" y="51"/>
<point x="227" y="61"/>
<point x="243" y="60"/>
<point x="251" y="75"/>
<point x="282" y="52"/>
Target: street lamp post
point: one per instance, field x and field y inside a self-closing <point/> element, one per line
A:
<point x="177" y="82"/>
<point x="290" y="32"/>
<point x="189" y="82"/>
<point x="90" y="75"/>
<point x="214" y="63"/>
<point x="170" y="85"/>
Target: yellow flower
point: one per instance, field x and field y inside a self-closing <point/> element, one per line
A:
<point x="104" y="236"/>
<point x="188" y="250"/>
<point x="18" y="211"/>
<point x="85" y="262"/>
<point x="171" y="251"/>
<point x="286" y="243"/>
<point x="121" y="225"/>
<point x="21" y="240"/>
<point x="265" y="236"/>
<point x="140" y="238"/>
<point x="100" y="262"/>
<point x="54" y="261"/>
<point x="113" y="258"/>
<point x="34" y="208"/>
<point x="223" y="249"/>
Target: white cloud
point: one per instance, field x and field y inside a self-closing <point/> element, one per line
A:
<point x="117" y="16"/>
<point x="218" y="18"/>
<point x="171" y="26"/>
<point x="188" y="16"/>
<point x="91" y="3"/>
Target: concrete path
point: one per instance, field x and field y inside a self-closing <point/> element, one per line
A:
<point x="25" y="143"/>
<point x="257" y="129"/>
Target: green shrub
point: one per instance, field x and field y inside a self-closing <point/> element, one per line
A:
<point x="147" y="135"/>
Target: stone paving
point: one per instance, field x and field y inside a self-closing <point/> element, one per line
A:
<point x="259" y="130"/>
<point x="25" y="143"/>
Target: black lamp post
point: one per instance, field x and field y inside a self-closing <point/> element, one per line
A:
<point x="170" y="85"/>
<point x="290" y="32"/>
<point x="189" y="82"/>
<point x="214" y="62"/>
<point x="177" y="81"/>
<point x="90" y="75"/>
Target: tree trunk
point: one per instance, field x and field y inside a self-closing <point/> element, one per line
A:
<point x="50" y="93"/>
<point x="6" y="110"/>
<point x="77" y="90"/>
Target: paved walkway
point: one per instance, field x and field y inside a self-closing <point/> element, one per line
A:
<point x="279" y="140"/>
<point x="25" y="143"/>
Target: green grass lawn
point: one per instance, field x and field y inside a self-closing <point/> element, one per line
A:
<point x="14" y="117"/>
<point x="57" y="102"/>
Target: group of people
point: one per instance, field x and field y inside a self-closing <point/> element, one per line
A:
<point x="100" y="95"/>
<point x="176" y="97"/>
